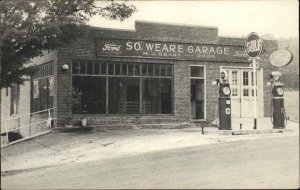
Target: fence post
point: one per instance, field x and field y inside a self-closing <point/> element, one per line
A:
<point x="49" y="114"/>
<point x="30" y="125"/>
<point x="19" y="125"/>
<point x="5" y="125"/>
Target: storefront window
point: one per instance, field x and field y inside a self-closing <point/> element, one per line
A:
<point x="128" y="88"/>
<point x="89" y="94"/>
<point x="157" y="96"/>
<point x="123" y="95"/>
<point x="42" y="88"/>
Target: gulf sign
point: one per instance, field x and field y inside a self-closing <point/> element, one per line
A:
<point x="253" y="45"/>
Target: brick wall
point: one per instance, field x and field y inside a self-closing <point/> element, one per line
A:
<point x="268" y="47"/>
<point x="176" y="33"/>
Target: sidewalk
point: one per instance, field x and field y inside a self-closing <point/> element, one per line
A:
<point x="246" y="125"/>
<point x="60" y="148"/>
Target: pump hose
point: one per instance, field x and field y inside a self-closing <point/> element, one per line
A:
<point x="285" y="119"/>
<point x="271" y="111"/>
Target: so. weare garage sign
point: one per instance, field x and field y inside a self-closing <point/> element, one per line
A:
<point x="169" y="50"/>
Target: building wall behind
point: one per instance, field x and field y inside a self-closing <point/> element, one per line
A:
<point x="14" y="121"/>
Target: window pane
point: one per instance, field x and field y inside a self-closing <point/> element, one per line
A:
<point x="117" y="69"/>
<point x="234" y="77"/>
<point x="43" y="89"/>
<point x="163" y="70"/>
<point x="130" y="69"/>
<point x="103" y="68"/>
<point x="124" y="69"/>
<point x="97" y="68"/>
<point x="50" y="92"/>
<point x="252" y="77"/>
<point x="75" y="67"/>
<point x="169" y="70"/>
<point x="144" y="69"/>
<point x="110" y="68"/>
<point x="35" y="95"/>
<point x="51" y="69"/>
<point x="234" y="92"/>
<point x="82" y="68"/>
<point x="89" y="68"/>
<point x="156" y="70"/>
<point x="157" y="96"/>
<point x="253" y="92"/>
<point x="245" y="78"/>
<point x="197" y="72"/>
<point x="137" y="69"/>
<point x="150" y="70"/>
<point x="166" y="96"/>
<point x="246" y="92"/>
<point x="89" y="95"/>
<point x="124" y="95"/>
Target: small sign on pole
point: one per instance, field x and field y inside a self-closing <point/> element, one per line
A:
<point x="281" y="58"/>
<point x="253" y="49"/>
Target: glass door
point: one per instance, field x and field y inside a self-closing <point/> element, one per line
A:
<point x="197" y="92"/>
<point x="243" y="92"/>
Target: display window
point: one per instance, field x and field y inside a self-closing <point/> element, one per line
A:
<point x="122" y="88"/>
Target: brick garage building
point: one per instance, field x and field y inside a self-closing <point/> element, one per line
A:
<point x="157" y="74"/>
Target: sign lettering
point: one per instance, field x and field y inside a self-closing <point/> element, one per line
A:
<point x="253" y="45"/>
<point x="169" y="50"/>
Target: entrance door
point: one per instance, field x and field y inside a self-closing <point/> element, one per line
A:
<point x="197" y="98"/>
<point x="197" y="76"/>
<point x="242" y="96"/>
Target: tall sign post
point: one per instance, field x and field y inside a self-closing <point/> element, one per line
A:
<point x="253" y="48"/>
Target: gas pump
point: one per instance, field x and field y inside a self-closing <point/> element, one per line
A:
<point x="224" y="102"/>
<point x="278" y="110"/>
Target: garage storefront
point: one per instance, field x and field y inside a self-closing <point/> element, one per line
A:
<point x="154" y="75"/>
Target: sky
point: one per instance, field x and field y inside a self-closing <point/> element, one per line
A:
<point x="277" y="18"/>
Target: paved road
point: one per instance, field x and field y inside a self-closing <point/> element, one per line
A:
<point x="260" y="163"/>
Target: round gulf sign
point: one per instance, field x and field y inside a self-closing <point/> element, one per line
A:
<point x="253" y="45"/>
<point x="280" y="58"/>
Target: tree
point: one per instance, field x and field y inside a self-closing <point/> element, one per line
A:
<point x="28" y="28"/>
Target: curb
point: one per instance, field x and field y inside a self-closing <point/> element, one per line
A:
<point x="73" y="129"/>
<point x="248" y="132"/>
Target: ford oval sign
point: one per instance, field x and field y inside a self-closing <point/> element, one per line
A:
<point x="280" y="58"/>
<point x="253" y="45"/>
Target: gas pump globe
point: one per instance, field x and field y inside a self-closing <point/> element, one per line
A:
<point x="224" y="89"/>
<point x="278" y="110"/>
